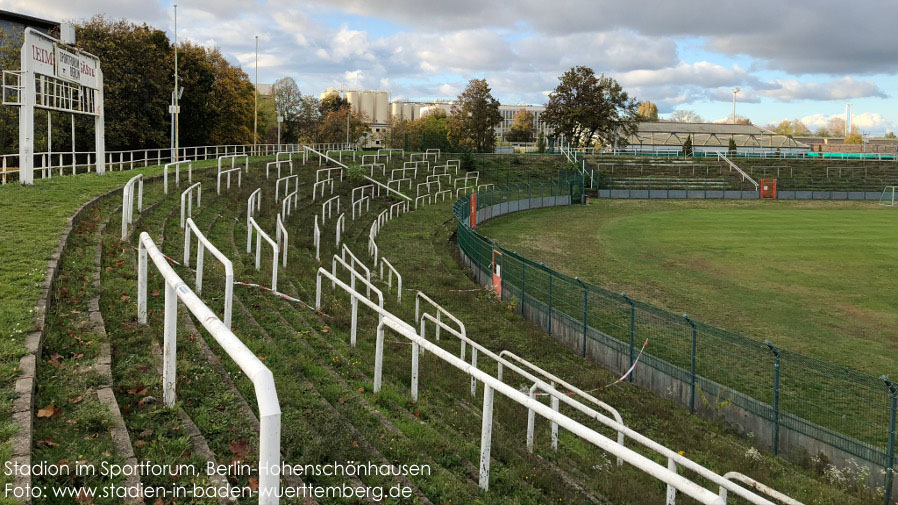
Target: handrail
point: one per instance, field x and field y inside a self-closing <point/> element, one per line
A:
<point x="391" y="271"/>
<point x="492" y="385"/>
<point x="327" y="208"/>
<point x="202" y="244"/>
<point x="440" y="310"/>
<point x="254" y="202"/>
<point x="769" y="491"/>
<point x="249" y="363"/>
<point x="316" y="238"/>
<point x="355" y="261"/>
<point x="353" y="274"/>
<point x="328" y="171"/>
<point x="128" y="202"/>
<point x="188" y="195"/>
<point x="341" y="226"/>
<point x="322" y="156"/>
<point x="228" y="173"/>
<point x="274" y="247"/>
<point x="286" y="181"/>
<point x="322" y="185"/>
<point x="278" y="164"/>
<point x="177" y="165"/>
<point x="281" y="234"/>
<point x="233" y="158"/>
<point x="389" y="189"/>
<point x="733" y="166"/>
<point x="289" y="203"/>
<point x="358" y="204"/>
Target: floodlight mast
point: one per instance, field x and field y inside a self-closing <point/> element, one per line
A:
<point x="256" y="102"/>
<point x="735" y="90"/>
<point x="176" y="94"/>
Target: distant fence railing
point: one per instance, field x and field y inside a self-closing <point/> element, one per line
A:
<point x="791" y="403"/>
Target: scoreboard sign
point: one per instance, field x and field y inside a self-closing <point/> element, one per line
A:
<point x="50" y="58"/>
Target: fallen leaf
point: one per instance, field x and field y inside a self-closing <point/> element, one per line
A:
<point x="355" y="445"/>
<point x="46" y="443"/>
<point x="141" y="368"/>
<point x="49" y="411"/>
<point x="154" y="293"/>
<point x="146" y="433"/>
<point x="140" y="443"/>
<point x="54" y="359"/>
<point x="360" y="390"/>
<point x="253" y="483"/>
<point x="341" y="400"/>
<point x="238" y="446"/>
<point x="417" y="413"/>
<point x="77" y="399"/>
<point x="125" y="298"/>
<point x="79" y="355"/>
<point x="138" y="390"/>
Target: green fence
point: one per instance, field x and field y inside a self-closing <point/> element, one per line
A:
<point x="843" y="408"/>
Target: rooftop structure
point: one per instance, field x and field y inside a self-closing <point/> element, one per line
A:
<point x="710" y="137"/>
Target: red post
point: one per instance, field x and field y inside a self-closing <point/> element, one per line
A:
<point x="473" y="210"/>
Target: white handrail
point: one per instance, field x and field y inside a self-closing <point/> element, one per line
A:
<point x="327" y="208"/>
<point x="344" y="250"/>
<point x="389" y="189"/>
<point x="282" y="238"/>
<point x="316" y="238"/>
<point x="492" y="385"/>
<point x="390" y="272"/>
<point x="733" y="166"/>
<point x="328" y="172"/>
<point x="322" y="156"/>
<point x="228" y="172"/>
<point x="128" y="202"/>
<point x="177" y="166"/>
<point x="258" y="374"/>
<point x="278" y="165"/>
<point x="286" y="181"/>
<point x="289" y="203"/>
<point x="353" y="274"/>
<point x="274" y="248"/>
<point x="321" y="184"/>
<point x="202" y="244"/>
<point x="234" y="158"/>
<point x="440" y="310"/>
<point x="769" y="491"/>
<point x="358" y="204"/>
<point x="254" y="202"/>
<point x="188" y="195"/>
<point x="341" y="226"/>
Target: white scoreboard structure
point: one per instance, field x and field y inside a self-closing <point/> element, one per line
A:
<point x="55" y="76"/>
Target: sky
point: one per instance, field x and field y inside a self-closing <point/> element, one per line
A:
<point x="790" y="59"/>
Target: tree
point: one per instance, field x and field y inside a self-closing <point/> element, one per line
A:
<point x="288" y="103"/>
<point x="307" y="119"/>
<point x="890" y="135"/>
<point x="231" y="104"/>
<point x="822" y="132"/>
<point x="732" y="147"/>
<point x="522" y="128"/>
<point x="587" y="109"/>
<point x="854" y="137"/>
<point x="474" y="117"/>
<point x="332" y="128"/>
<point x="647" y="111"/>
<point x="541" y="143"/>
<point x="836" y="126"/>
<point x="687" y="146"/>
<point x="685" y="116"/>
<point x="742" y="120"/>
<point x="794" y="127"/>
<point x="332" y="103"/>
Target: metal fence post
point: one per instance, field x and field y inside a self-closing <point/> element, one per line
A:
<point x="585" y="311"/>
<point x="692" y="367"/>
<point x="776" y="396"/>
<point x="893" y="388"/>
<point x="550" y="298"/>
<point x="632" y="332"/>
<point x="523" y="284"/>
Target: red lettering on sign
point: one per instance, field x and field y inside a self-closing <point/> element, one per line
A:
<point x="41" y="55"/>
<point x="87" y="70"/>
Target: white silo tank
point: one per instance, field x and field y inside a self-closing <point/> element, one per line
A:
<point x="367" y="107"/>
<point x="354" y="101"/>
<point x="381" y="107"/>
<point x="396" y="111"/>
<point x="416" y="110"/>
<point x="407" y="111"/>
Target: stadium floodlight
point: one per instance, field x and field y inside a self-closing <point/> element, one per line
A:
<point x="735" y="90"/>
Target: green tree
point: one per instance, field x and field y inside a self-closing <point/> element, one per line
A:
<point x="822" y="132"/>
<point x="588" y="109"/>
<point x="687" y="146"/>
<point x="794" y="127"/>
<point x="522" y="128"/>
<point x="854" y="137"/>
<point x="890" y="135"/>
<point x="288" y="103"/>
<point x="331" y="103"/>
<point x="332" y="128"/>
<point x="732" y="147"/>
<point x="647" y="111"/>
<point x="474" y="117"/>
<point x="197" y="74"/>
<point x="541" y="143"/>
<point x="307" y="119"/>
<point x="231" y="103"/>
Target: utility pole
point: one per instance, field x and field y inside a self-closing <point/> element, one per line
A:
<point x="256" y="101"/>
<point x="735" y="90"/>
<point x="175" y="112"/>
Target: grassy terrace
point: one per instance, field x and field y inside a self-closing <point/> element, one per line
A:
<point x="324" y="385"/>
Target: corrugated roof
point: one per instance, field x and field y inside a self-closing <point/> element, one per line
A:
<point x="718" y="128"/>
<point x="671" y="134"/>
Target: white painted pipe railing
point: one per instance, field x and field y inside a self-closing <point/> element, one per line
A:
<point x="286" y="182"/>
<point x="253" y="203"/>
<point x="358" y="204"/>
<point x="321" y="184"/>
<point x="328" y="173"/>
<point x="234" y="158"/>
<point x="389" y="153"/>
<point x="228" y="172"/>
<point x="177" y="166"/>
<point x="258" y="374"/>
<point x="322" y="157"/>
<point x="316" y="239"/>
<point x="282" y="239"/>
<point x="278" y="164"/>
<point x="391" y="271"/>
<point x="419" y="297"/>
<point x="202" y="244"/>
<point x="355" y="262"/>
<point x="289" y="203"/>
<point x="128" y="202"/>
<point x="423" y="199"/>
<point x="187" y="200"/>
<point x="366" y="280"/>
<point x="274" y="249"/>
<point x="327" y="208"/>
<point x="404" y="173"/>
<point x="388" y="188"/>
<point x="752" y="483"/>
<point x="492" y="385"/>
<point x="341" y="227"/>
<point x="432" y="152"/>
<point x="372" y="166"/>
<point x="454" y="163"/>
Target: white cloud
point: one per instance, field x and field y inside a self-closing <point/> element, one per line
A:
<point x="842" y="89"/>
<point x="871" y="123"/>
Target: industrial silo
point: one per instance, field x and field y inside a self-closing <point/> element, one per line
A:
<point x="407" y="111"/>
<point x="381" y="107"/>
<point x="367" y="107"/>
<point x="396" y="111"/>
<point x="354" y="101"/>
<point x="416" y="110"/>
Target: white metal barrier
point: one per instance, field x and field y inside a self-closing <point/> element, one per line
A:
<point x="202" y="244"/>
<point x="177" y="166"/>
<point x="404" y="172"/>
<point x="355" y="262"/>
<point x="328" y="173"/>
<point x="322" y="157"/>
<point x="341" y="227"/>
<point x="321" y="184"/>
<point x="389" y="152"/>
<point x="286" y="180"/>
<point x="253" y="203"/>
<point x="366" y="201"/>
<point x="327" y="208"/>
<point x="432" y="152"/>
<point x="278" y="164"/>
<point x="128" y="202"/>
<point x="423" y="198"/>
<point x="316" y="239"/>
<point x="187" y="195"/>
<point x="769" y="491"/>
<point x="492" y="385"/>
<point x="228" y="172"/>
<point x="390" y="273"/>
<point x="399" y="182"/>
<point x="249" y="363"/>
<point x="274" y="249"/>
<point x="289" y="203"/>
<point x="388" y="188"/>
<point x="429" y="185"/>
<point x="282" y="239"/>
<point x="372" y="166"/>
<point x="454" y="163"/>
<point x="234" y="158"/>
<point x="353" y="275"/>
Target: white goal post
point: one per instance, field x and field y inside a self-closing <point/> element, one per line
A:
<point x="889" y="196"/>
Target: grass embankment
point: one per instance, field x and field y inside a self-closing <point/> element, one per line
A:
<point x="812" y="277"/>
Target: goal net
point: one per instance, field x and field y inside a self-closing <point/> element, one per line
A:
<point x="889" y="196"/>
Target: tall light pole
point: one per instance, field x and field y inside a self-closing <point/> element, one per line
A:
<point x="735" y="90"/>
<point x="175" y="97"/>
<point x="256" y="101"/>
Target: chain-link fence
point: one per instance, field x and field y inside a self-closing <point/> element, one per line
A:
<point x="799" y="402"/>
